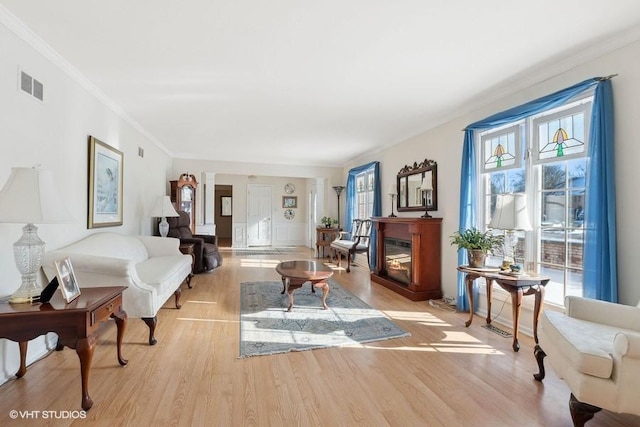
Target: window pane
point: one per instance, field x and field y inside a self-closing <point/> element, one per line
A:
<point x="553" y="248"/>
<point x="500" y="151"/>
<point x="553" y="209"/>
<point x="553" y="176"/>
<point x="562" y="136"/>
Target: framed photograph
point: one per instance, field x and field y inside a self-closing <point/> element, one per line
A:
<point x="105" y="185"/>
<point x="225" y="205"/>
<point x="66" y="279"/>
<point x="289" y="201"/>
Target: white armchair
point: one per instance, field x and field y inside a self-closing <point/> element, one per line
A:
<point x="595" y="349"/>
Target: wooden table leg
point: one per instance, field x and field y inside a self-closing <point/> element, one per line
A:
<point x="489" y="283"/>
<point x="177" y="294"/>
<point x="537" y="310"/>
<point x="468" y="279"/>
<point x="325" y="291"/>
<point x="516" y="301"/>
<point x="121" y="324"/>
<point x="84" y="348"/>
<point x="23" y="359"/>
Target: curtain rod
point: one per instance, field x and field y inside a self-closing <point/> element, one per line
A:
<point x="609" y="77"/>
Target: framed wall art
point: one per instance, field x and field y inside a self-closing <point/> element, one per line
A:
<point x="105" y="185"/>
<point x="67" y="279"/>
<point x="289" y="201"/>
<point x="225" y="205"/>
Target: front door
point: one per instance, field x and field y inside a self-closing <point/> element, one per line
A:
<point x="259" y="200"/>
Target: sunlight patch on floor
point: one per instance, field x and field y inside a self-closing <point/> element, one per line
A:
<point x="192" y="301"/>
<point x="443" y="348"/>
<point x="259" y="263"/>
<point x="416" y="316"/>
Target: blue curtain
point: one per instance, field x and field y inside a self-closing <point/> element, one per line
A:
<point x="469" y="178"/>
<point x="599" y="258"/>
<point x="352" y="202"/>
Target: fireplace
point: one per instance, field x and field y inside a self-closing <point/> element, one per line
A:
<point x="408" y="259"/>
<point x="397" y="255"/>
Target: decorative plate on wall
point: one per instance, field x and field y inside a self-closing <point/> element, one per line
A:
<point x="289" y="213"/>
<point x="289" y="188"/>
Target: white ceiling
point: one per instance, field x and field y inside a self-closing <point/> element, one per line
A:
<point x="307" y="82"/>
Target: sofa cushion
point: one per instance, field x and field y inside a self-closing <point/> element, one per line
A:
<point x="160" y="271"/>
<point x="587" y="344"/>
<point x="112" y="245"/>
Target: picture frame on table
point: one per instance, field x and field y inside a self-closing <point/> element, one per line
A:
<point x="67" y="279"/>
<point x="106" y="167"/>
<point x="289" y="201"/>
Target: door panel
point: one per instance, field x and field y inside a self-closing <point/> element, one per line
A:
<point x="259" y="208"/>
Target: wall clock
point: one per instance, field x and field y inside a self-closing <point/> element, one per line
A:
<point x="289" y="213"/>
<point x="289" y="188"/>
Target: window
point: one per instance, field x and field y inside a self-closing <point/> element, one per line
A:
<point x="365" y="184"/>
<point x="545" y="157"/>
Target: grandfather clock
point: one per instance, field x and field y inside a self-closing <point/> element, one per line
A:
<point x="183" y="196"/>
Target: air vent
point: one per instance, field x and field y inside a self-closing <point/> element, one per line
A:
<point x="31" y="86"/>
<point x="140" y="151"/>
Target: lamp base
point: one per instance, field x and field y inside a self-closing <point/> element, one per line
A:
<point x="163" y="227"/>
<point x="426" y="215"/>
<point x="28" y="251"/>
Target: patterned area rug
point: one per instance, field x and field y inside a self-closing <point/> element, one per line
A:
<point x="267" y="328"/>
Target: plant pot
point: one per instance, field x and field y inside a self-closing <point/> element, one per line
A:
<point x="476" y="258"/>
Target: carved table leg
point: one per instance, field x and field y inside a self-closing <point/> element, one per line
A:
<point x="516" y="301"/>
<point x="121" y="324"/>
<point x="284" y="285"/>
<point x="468" y="280"/>
<point x="178" y="293"/>
<point x="325" y="291"/>
<point x="537" y="310"/>
<point x="151" y="323"/>
<point x="581" y="412"/>
<point x="23" y="359"/>
<point x="540" y="355"/>
<point x="489" y="283"/>
<point x="84" y="348"/>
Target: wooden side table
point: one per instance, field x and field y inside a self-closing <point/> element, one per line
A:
<point x="324" y="237"/>
<point x="189" y="249"/>
<point x="517" y="286"/>
<point x="76" y="324"/>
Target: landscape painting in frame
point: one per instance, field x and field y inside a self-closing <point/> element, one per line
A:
<point x="105" y="185"/>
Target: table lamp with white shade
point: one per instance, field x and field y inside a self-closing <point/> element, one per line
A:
<point x="511" y="214"/>
<point x="426" y="187"/>
<point x="30" y="196"/>
<point x="163" y="209"/>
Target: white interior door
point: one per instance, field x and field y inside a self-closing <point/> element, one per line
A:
<point x="259" y="199"/>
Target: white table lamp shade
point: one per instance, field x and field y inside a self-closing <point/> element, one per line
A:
<point x="511" y="213"/>
<point x="163" y="208"/>
<point x="31" y="196"/>
<point x="392" y="190"/>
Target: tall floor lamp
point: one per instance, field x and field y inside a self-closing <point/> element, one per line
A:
<point x="338" y="189"/>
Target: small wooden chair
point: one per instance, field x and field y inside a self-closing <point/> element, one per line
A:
<point x="358" y="242"/>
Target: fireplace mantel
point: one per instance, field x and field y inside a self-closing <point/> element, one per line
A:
<point x="425" y="235"/>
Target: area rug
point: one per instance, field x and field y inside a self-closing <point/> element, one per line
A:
<point x="267" y="328"/>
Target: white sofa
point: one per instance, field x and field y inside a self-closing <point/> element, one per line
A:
<point x="595" y="349"/>
<point x="153" y="268"/>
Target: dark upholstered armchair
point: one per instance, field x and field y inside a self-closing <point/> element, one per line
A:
<point x="207" y="255"/>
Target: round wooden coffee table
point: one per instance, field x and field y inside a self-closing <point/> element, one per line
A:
<point x="297" y="273"/>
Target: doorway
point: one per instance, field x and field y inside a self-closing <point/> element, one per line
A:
<point x="223" y="208"/>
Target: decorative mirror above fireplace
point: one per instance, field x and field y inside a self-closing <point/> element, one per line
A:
<point x="418" y="187"/>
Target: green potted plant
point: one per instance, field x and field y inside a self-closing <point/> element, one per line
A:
<point x="477" y="244"/>
<point x="328" y="221"/>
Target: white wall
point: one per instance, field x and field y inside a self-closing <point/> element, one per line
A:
<point x="54" y="134"/>
<point x="444" y="145"/>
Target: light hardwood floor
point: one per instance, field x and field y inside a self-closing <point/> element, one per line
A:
<point x="443" y="375"/>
